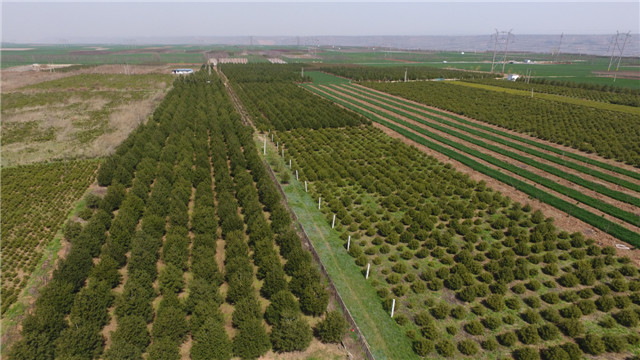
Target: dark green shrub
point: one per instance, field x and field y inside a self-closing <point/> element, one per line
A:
<point x="592" y="344"/>
<point x="468" y="347"/>
<point x="491" y="322"/>
<point x="474" y="327"/>
<point x="440" y="311"/>
<point x="571" y="327"/>
<point x="489" y="344"/>
<point x="548" y="332"/>
<point x="423" y="347"/>
<point x="291" y="334"/>
<point x="615" y="343"/>
<point x="528" y="334"/>
<point x="526" y="353"/>
<point x="445" y="348"/>
<point x="211" y="341"/>
<point x="495" y="302"/>
<point x="627" y="318"/>
<point x="332" y="328"/>
<point x="251" y="340"/>
<point x="507" y="339"/>
<point x="571" y="312"/>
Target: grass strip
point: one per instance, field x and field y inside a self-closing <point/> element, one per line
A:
<point x="385" y="338"/>
<point x="550" y="169"/>
<point x="605" y="225"/>
<point x="428" y="113"/>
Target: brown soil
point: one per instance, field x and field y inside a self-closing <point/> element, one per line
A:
<point x="13" y="78"/>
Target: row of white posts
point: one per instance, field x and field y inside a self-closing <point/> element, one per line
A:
<point x="333" y="222"/>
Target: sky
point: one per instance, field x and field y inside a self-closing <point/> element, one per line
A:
<point x="47" y="21"/>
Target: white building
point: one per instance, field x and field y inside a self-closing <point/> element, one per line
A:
<point x="182" y="71"/>
<point x="513" y="77"/>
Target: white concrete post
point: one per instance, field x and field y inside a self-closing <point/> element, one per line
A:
<point x="277" y="145"/>
<point x="264" y="148"/>
<point x="319" y="200"/>
<point x="393" y="306"/>
<point x="349" y="243"/>
<point x="289" y="163"/>
<point x="271" y="136"/>
<point x="333" y="223"/>
<point x="297" y="175"/>
<point x="282" y="150"/>
<point x="305" y="186"/>
<point x="368" y="267"/>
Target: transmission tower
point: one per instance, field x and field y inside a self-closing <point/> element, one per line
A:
<point x="615" y="46"/>
<point x="556" y="54"/>
<point x="500" y="46"/>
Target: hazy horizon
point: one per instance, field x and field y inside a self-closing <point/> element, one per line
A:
<point x="53" y="22"/>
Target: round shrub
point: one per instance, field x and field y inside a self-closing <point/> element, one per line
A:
<point x="614" y="343"/>
<point x="332" y="328"/>
<point x="586" y="307"/>
<point x="592" y="344"/>
<point x="568" y="280"/>
<point x="526" y="353"/>
<point x="430" y="331"/>
<point x="495" y="302"/>
<point x="528" y="334"/>
<point x="605" y="303"/>
<point x="550" y="298"/>
<point x="423" y="318"/>
<point x="468" y="347"/>
<point x="530" y="316"/>
<point x="548" y="332"/>
<point x="489" y="344"/>
<point x="627" y="318"/>
<point x="474" y="327"/>
<point x="423" y="347"/>
<point x="440" y="311"/>
<point x="452" y="330"/>
<point x="571" y="327"/>
<point x="507" y="339"/>
<point x="445" y="348"/>
<point x="571" y="312"/>
<point x="491" y="322"/>
<point x="458" y="312"/>
<point x="554" y="353"/>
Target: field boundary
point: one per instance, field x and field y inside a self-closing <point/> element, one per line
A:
<point x="308" y="244"/>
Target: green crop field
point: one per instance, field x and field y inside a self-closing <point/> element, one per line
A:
<point x="185" y="244"/>
<point x="430" y="245"/>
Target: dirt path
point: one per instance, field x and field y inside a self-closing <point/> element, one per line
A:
<point x="562" y="220"/>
